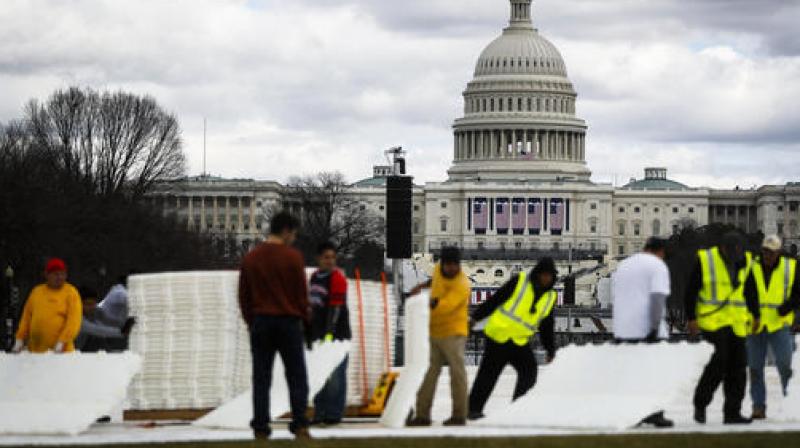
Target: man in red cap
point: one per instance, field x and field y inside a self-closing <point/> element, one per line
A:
<point x="52" y="316"/>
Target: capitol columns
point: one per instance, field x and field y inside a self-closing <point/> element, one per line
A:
<point x="514" y="144"/>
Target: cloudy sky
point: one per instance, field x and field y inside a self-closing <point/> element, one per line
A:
<point x="708" y="88"/>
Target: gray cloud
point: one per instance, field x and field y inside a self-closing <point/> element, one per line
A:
<point x="308" y="85"/>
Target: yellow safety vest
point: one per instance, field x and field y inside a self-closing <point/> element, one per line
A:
<point x="772" y="296"/>
<point x="719" y="304"/>
<point x="514" y="319"/>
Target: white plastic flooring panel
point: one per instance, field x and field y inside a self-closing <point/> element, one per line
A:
<point x="61" y="394"/>
<point x="607" y="386"/>
<point x="320" y="363"/>
<point x="417" y="359"/>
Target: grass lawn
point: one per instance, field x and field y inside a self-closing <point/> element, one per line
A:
<point x="737" y="440"/>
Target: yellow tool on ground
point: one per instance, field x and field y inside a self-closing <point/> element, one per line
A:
<point x="380" y="395"/>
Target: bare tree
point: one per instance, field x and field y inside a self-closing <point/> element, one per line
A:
<point x="114" y="143"/>
<point x="328" y="212"/>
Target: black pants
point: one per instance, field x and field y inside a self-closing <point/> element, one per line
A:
<point x="284" y="335"/>
<point x="728" y="365"/>
<point x="495" y="358"/>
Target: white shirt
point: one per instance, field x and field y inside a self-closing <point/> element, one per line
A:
<point x="113" y="310"/>
<point x="636" y="278"/>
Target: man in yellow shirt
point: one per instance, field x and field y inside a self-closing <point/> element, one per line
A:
<point x="52" y="316"/>
<point x="449" y="322"/>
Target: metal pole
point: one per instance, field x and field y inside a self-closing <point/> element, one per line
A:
<point x="204" y="146"/>
<point x="397" y="278"/>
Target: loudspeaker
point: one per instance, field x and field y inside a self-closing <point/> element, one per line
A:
<point x="398" y="216"/>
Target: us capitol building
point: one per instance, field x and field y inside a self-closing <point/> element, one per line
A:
<point x="519" y="186"/>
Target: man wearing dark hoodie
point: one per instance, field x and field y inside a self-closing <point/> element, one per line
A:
<point x="517" y="311"/>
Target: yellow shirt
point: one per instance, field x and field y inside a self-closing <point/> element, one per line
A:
<point x="51" y="316"/>
<point x="450" y="317"/>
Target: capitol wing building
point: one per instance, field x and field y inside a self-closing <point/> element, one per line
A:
<point x="519" y="187"/>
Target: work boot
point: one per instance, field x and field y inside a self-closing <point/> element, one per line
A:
<point x="737" y="420"/>
<point x="302" y="434"/>
<point x="759" y="413"/>
<point x="700" y="415"/>
<point x="419" y="422"/>
<point x="455" y="421"/>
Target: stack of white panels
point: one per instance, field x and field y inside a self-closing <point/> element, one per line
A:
<point x="191" y="337"/>
<point x="195" y="346"/>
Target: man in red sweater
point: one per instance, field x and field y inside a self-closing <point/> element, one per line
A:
<point x="274" y="301"/>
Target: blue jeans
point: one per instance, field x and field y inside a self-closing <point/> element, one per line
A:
<point x="283" y="335"/>
<point x="782" y="346"/>
<point x="329" y="404"/>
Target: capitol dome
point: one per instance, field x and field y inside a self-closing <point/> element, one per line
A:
<point x="520" y="52"/>
<point x="519" y="118"/>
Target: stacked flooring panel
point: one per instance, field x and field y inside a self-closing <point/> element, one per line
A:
<point x="192" y="340"/>
<point x="195" y="347"/>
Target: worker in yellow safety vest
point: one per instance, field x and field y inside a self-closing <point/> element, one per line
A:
<point x="772" y="283"/>
<point x="516" y="312"/>
<point x="716" y="305"/>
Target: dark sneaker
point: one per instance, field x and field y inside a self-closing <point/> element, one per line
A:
<point x="418" y="422"/>
<point x="737" y="420"/>
<point x="455" y="421"/>
<point x="262" y="435"/>
<point x="302" y="434"/>
<point x="658" y="420"/>
<point x="475" y="416"/>
<point x="700" y="415"/>
<point x="759" y="414"/>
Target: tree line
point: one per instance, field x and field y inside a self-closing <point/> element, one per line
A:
<point x="75" y="169"/>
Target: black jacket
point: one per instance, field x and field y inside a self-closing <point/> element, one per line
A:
<point x="696" y="284"/>
<point x="547" y="325"/>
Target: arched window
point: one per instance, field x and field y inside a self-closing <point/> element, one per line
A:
<point x="519" y="104"/>
<point x="656" y="227"/>
<point x="491" y="105"/>
<point x="593" y="225"/>
<point x="499" y="273"/>
<point x="530" y="104"/>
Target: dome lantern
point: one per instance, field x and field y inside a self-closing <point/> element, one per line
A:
<point x="521" y="14"/>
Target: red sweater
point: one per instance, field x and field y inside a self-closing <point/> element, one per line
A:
<point x="272" y="282"/>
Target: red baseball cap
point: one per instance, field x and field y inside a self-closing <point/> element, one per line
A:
<point x="55" y="265"/>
